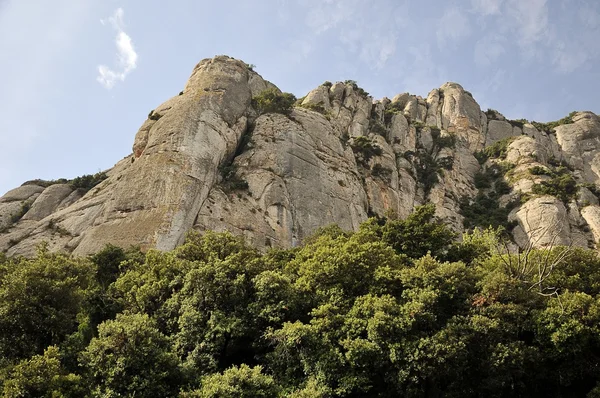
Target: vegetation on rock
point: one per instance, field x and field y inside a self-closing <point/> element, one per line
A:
<point x="364" y="149"/>
<point x="550" y="126"/>
<point x="561" y="184"/>
<point x="230" y="178"/>
<point x="88" y="181"/>
<point x="497" y="150"/>
<point x="484" y="210"/>
<point x="273" y="101"/>
<point x="355" y="87"/>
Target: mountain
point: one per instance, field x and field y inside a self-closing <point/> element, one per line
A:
<point x="230" y="152"/>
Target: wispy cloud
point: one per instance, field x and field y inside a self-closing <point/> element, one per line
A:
<point x="487" y="7"/>
<point x="126" y="55"/>
<point x="531" y="21"/>
<point x="488" y="49"/>
<point x="452" y="27"/>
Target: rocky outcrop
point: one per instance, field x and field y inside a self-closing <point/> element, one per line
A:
<point x="206" y="159"/>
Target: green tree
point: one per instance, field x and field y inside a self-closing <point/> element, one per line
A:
<point x="130" y="357"/>
<point x="40" y="300"/>
<point x="569" y="335"/>
<point x="237" y="382"/>
<point x="420" y="233"/>
<point x="273" y="101"/>
<point x="42" y="376"/>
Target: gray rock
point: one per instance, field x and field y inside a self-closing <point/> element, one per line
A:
<point x="301" y="170"/>
<point x="48" y="201"/>
<point x="24" y="192"/>
<point x="498" y="130"/>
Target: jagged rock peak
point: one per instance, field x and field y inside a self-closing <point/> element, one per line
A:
<point x="208" y="159"/>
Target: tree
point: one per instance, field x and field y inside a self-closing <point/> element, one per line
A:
<point x="130" y="357"/>
<point x="238" y="382"/>
<point x="420" y="233"/>
<point x="273" y="101"/>
<point x="40" y="300"/>
<point x="42" y="376"/>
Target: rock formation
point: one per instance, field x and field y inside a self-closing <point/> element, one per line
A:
<point x="206" y="159"/>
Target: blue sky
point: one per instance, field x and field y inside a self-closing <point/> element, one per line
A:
<point x="78" y="78"/>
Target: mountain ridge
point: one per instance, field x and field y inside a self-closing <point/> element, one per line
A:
<point x="209" y="158"/>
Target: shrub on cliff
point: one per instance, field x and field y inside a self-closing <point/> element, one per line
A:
<point x="273" y="101"/>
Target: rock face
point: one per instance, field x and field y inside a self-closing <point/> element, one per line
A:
<point x="206" y="159"/>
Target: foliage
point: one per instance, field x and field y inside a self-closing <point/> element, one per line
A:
<point x="442" y="141"/>
<point x="518" y="122"/>
<point x="356" y="88"/>
<point x="62" y="285"/>
<point x="154" y="115"/>
<point x="538" y="171"/>
<point x="482" y="180"/>
<point x="240" y="382"/>
<point x="381" y="172"/>
<point x="377" y="128"/>
<point x="427" y="164"/>
<point x="131" y="357"/>
<point x="84" y="182"/>
<point x="392" y="109"/>
<point x="420" y="233"/>
<point x="397" y="308"/>
<point x="484" y="210"/>
<point x="25" y="206"/>
<point x="561" y="184"/>
<point x="314" y="107"/>
<point x="42" y="376"/>
<point x="428" y="170"/>
<point x="364" y="149"/>
<point x="550" y="126"/>
<point x="273" y="101"/>
<point x="491" y="114"/>
<point x="88" y="181"/>
<point x="497" y="150"/>
<point x="231" y="180"/>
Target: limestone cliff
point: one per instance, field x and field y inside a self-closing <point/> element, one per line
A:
<point x="206" y="159"/>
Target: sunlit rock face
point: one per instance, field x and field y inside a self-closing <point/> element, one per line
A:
<point x="206" y="159"/>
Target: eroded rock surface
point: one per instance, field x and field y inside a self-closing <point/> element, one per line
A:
<point x="206" y="159"/>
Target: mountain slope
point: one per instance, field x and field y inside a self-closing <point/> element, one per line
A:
<point x="207" y="159"/>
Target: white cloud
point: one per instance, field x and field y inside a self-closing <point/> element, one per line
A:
<point x="327" y="14"/>
<point x="530" y="20"/>
<point x="126" y="55"/>
<point x="377" y="49"/>
<point x="589" y="16"/>
<point x="569" y="58"/>
<point x="452" y="27"/>
<point x="487" y="7"/>
<point x="488" y="49"/>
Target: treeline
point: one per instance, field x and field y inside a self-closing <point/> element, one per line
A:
<point x="397" y="308"/>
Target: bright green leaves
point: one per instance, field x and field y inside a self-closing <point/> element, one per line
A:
<point x="273" y="101"/>
<point x="420" y="233"/>
<point x="39" y="302"/>
<point x="239" y="382"/>
<point x="130" y="357"/>
<point x="377" y="312"/>
<point x="42" y="376"/>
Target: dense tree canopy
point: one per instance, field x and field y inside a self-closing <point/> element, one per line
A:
<point x="398" y="308"/>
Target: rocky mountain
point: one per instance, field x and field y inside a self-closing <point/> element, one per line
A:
<point x="228" y="154"/>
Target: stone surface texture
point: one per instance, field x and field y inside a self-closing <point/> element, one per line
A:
<point x="299" y="171"/>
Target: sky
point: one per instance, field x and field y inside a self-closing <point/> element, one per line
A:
<point x="79" y="77"/>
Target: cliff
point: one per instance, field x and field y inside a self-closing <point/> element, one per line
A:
<point x="209" y="159"/>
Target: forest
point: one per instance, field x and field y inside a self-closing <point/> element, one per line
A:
<point x="400" y="307"/>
